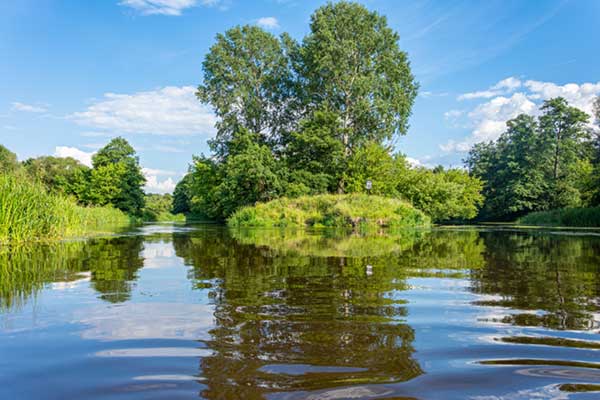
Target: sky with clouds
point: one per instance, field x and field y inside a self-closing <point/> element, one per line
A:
<point x="74" y="74"/>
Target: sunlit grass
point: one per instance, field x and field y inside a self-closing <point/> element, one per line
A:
<point x="29" y="213"/>
<point x="574" y="217"/>
<point x="352" y="210"/>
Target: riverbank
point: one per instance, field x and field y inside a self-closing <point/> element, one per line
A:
<point x="566" y="217"/>
<point x="350" y="210"/>
<point x="28" y="213"/>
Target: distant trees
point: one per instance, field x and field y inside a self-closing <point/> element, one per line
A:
<point x="537" y="164"/>
<point x="115" y="179"/>
<point x="60" y="175"/>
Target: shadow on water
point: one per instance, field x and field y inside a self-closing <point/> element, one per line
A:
<point x="295" y="314"/>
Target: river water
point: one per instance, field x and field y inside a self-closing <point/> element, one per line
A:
<point x="186" y="312"/>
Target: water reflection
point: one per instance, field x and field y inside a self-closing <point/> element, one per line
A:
<point x="298" y="314"/>
<point x="550" y="280"/>
<point x="285" y="321"/>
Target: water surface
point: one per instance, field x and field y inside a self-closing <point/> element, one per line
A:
<point x="186" y="312"/>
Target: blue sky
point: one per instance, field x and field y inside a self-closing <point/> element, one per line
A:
<point x="74" y="73"/>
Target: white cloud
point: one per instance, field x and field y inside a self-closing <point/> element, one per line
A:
<point x="168" y="111"/>
<point x="268" y="22"/>
<point x="505" y="86"/>
<point x="82" y="156"/>
<point x="154" y="185"/>
<point x="453" y="114"/>
<point x="16" y="106"/>
<point x="152" y="171"/>
<point x="488" y="119"/>
<point x="164" y="7"/>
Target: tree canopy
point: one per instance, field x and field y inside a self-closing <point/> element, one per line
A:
<point x="537" y="163"/>
<point x="306" y="117"/>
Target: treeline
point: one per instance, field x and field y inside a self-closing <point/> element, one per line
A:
<point x="115" y="178"/>
<point x="313" y="117"/>
<point x="543" y="163"/>
<point x="52" y="197"/>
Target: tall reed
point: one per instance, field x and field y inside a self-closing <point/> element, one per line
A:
<point x="29" y="213"/>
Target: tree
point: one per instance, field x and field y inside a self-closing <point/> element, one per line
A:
<point x="59" y="175"/>
<point x="564" y="135"/>
<point x="353" y="66"/>
<point x="116" y="177"/>
<point x="315" y="154"/>
<point x="182" y="196"/>
<point x="442" y="194"/>
<point x="245" y="77"/>
<point x="8" y="161"/>
<point x="375" y="163"/>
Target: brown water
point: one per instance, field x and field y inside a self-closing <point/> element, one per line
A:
<point x="182" y="312"/>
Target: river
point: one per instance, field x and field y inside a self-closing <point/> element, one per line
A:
<point x="186" y="312"/>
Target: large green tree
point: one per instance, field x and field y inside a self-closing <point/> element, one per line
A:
<point x="116" y="178"/>
<point x="352" y="65"/>
<point x="245" y="79"/>
<point x="565" y="140"/>
<point x="512" y="170"/>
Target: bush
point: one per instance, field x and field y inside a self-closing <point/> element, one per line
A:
<point x="578" y="217"/>
<point x="354" y="210"/>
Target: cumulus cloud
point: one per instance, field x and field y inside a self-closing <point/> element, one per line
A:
<point x="164" y="7"/>
<point x="82" y="156"/>
<point x="153" y="182"/>
<point x="268" y="22"/>
<point x="168" y="111"/>
<point x="16" y="106"/>
<point x="488" y="119"/>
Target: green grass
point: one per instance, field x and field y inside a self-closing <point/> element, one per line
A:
<point x="351" y="210"/>
<point x="575" y="217"/>
<point x="29" y="213"/>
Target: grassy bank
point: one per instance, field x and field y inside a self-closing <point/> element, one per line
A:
<point x="574" y="217"/>
<point x="353" y="210"/>
<point x="29" y="213"/>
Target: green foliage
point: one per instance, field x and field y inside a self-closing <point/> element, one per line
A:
<point x="182" y="195"/>
<point x="8" y="160"/>
<point x="59" y="175"/>
<point x="536" y="165"/>
<point x="29" y="213"/>
<point x="315" y="153"/>
<point x="116" y="178"/>
<point x="245" y="75"/>
<point x="442" y="194"/>
<point x="372" y="162"/>
<point x="578" y="217"/>
<point x="352" y="65"/>
<point x="292" y="115"/>
<point x="356" y="210"/>
<point x="158" y="207"/>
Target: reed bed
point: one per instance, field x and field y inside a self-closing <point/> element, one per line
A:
<point x="29" y="213"/>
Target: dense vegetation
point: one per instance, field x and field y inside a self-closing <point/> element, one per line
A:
<point x="540" y="164"/>
<point x="51" y="197"/>
<point x="314" y="117"/>
<point x="356" y="210"/>
<point x="586" y="217"/>
<point x="28" y="212"/>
